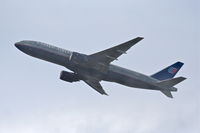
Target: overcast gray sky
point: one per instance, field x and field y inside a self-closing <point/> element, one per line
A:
<point x="34" y="100"/>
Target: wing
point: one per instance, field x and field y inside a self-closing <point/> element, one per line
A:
<point x="113" y="53"/>
<point x="95" y="85"/>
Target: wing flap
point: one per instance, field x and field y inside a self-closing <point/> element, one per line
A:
<point x="111" y="54"/>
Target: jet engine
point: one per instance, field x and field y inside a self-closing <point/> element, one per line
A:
<point x="68" y="76"/>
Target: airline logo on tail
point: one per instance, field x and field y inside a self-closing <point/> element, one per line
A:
<point x="172" y="70"/>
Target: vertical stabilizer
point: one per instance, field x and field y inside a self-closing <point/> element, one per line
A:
<point x="168" y="72"/>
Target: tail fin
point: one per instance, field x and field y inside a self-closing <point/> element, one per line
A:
<point x="167" y="85"/>
<point x="169" y="72"/>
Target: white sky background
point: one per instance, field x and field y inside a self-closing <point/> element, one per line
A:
<point x="33" y="99"/>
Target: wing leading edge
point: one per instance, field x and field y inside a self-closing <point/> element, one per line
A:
<point x="111" y="54"/>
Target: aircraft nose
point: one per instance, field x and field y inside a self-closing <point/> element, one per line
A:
<point x="18" y="45"/>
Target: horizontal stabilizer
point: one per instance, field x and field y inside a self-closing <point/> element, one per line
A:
<point x="170" y="82"/>
<point x="167" y="93"/>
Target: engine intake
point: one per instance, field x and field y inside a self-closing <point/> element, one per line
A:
<point x="68" y="76"/>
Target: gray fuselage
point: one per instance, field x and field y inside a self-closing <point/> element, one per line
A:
<point x="81" y="64"/>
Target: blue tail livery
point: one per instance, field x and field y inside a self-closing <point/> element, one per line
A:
<point x="169" y="72"/>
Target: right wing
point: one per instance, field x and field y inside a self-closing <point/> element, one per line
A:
<point x="104" y="58"/>
<point x="111" y="54"/>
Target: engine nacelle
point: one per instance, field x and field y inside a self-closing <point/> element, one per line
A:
<point x="69" y="77"/>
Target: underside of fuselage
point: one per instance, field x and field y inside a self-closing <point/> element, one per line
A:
<point x="129" y="78"/>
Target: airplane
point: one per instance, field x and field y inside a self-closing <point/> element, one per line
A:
<point x="97" y="67"/>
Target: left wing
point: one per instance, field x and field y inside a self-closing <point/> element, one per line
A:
<point x="113" y="53"/>
<point x="95" y="85"/>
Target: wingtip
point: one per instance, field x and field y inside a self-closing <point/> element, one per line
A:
<point x="140" y="38"/>
<point x="105" y="94"/>
<point x="171" y="97"/>
<point x="136" y="40"/>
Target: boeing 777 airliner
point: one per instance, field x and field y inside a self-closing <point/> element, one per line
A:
<point x="97" y="67"/>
